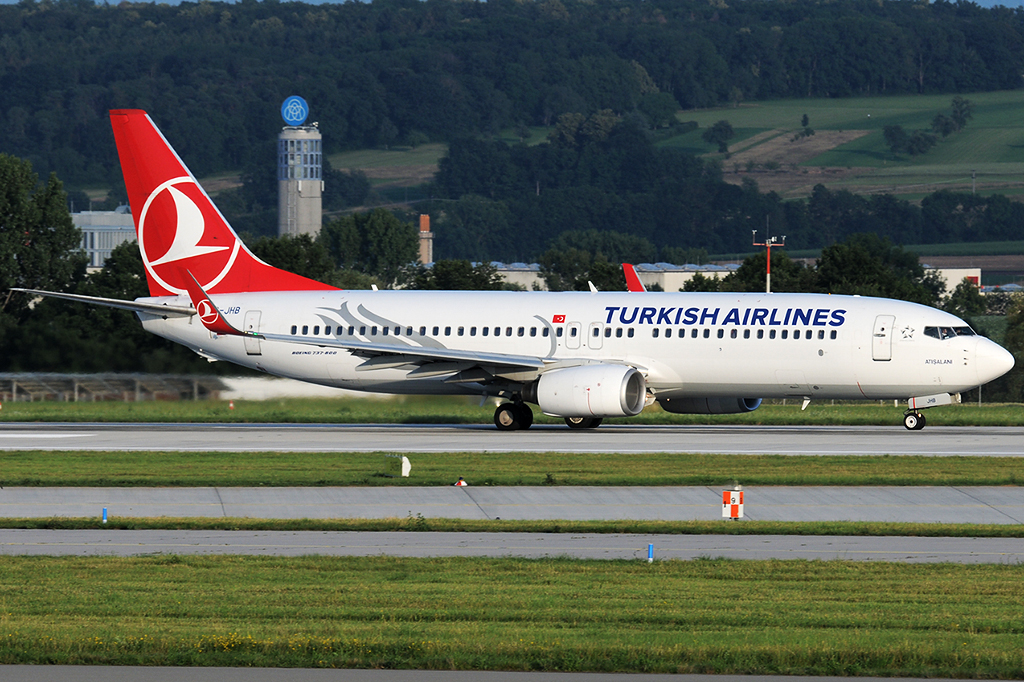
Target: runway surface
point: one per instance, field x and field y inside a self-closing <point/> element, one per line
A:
<point x="945" y="504"/>
<point x="783" y="440"/>
<point x="524" y="545"/>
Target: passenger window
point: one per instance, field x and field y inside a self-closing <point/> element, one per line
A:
<point x="746" y="333"/>
<point x="545" y="332"/>
<point x="668" y="333"/>
<point x="373" y="330"/>
<point x="732" y="333"/>
<point x="808" y="334"/>
<point x="316" y="330"/>
<point x="533" y="331"/>
<point x="351" y="331"/>
<point x="472" y="331"/>
<point x="629" y="332"/>
<point x="384" y="331"/>
<point x="447" y="331"/>
<point x="436" y="330"/>
<point x="607" y="332"/>
<point x="721" y="333"/>
<point x="707" y="333"/>
<point x="654" y="333"/>
<point x="785" y="333"/>
<point x="597" y="332"/>
<point x="693" y="334"/>
<point x="327" y="330"/>
<point x="294" y="330"/>
<point x="760" y="333"/>
<point x="485" y="331"/>
<point x="833" y="334"/>
<point x="618" y="332"/>
<point x="821" y="333"/>
<point x="497" y="331"/>
<point x="408" y="331"/>
<point x="423" y="331"/>
<point x="771" y="334"/>
<point x="558" y="332"/>
<point x="462" y="331"/>
<point x="521" y="331"/>
<point x="362" y="331"/>
<point x="796" y="333"/>
<point x="305" y="330"/>
<point x="508" y="331"/>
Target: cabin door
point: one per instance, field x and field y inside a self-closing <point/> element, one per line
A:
<point x="881" y="338"/>
<point x="252" y="326"/>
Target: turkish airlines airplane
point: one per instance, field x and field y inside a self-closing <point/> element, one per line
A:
<point x="583" y="356"/>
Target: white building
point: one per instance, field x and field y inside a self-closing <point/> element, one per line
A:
<point x="102" y="231"/>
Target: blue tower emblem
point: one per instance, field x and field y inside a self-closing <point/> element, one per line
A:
<point x="294" y="110"/>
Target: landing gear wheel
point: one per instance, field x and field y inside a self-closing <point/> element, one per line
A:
<point x="525" y="415"/>
<point x="583" y="422"/>
<point x="507" y="417"/>
<point x="914" y="421"/>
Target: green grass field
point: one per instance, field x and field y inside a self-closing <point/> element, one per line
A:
<point x="440" y="410"/>
<point x="705" y="616"/>
<point x="84" y="468"/>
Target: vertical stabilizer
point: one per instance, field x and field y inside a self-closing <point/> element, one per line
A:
<point x="179" y="227"/>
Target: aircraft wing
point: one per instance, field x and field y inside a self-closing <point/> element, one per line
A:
<point x="400" y="354"/>
<point x="410" y="354"/>
<point x="134" y="306"/>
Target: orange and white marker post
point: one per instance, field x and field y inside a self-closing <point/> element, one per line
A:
<point x="732" y="504"/>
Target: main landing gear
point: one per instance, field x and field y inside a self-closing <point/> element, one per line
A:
<point x="513" y="416"/>
<point x="914" y="421"/>
<point x="583" y="422"/>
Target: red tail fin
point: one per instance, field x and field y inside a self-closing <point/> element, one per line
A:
<point x="633" y="282"/>
<point x="178" y="226"/>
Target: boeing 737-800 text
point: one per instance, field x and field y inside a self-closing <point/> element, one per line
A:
<point x="583" y="356"/>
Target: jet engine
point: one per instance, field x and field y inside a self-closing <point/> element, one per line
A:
<point x="709" y="405"/>
<point x="599" y="390"/>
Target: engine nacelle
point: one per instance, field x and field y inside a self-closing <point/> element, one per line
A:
<point x="599" y="390"/>
<point x="709" y="405"/>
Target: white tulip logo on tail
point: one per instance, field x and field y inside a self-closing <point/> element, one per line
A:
<point x="169" y="207"/>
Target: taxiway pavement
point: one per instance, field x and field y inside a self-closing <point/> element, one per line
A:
<point x="523" y="545"/>
<point x="631" y="438"/>
<point x="939" y="504"/>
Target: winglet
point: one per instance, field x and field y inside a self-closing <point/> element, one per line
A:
<point x="206" y="310"/>
<point x="633" y="282"/>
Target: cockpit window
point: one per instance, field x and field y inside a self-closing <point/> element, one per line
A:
<point x="948" y="332"/>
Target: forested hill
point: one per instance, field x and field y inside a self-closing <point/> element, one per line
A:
<point x="394" y="71"/>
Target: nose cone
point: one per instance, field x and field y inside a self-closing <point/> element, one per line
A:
<point x="993" y="361"/>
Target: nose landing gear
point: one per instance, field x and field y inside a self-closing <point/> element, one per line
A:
<point x="914" y="421"/>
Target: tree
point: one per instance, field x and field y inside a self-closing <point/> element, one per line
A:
<point x="719" y="134"/>
<point x="966" y="301"/>
<point x="299" y="254"/>
<point x="788" y="275"/>
<point x="376" y="244"/>
<point x="868" y="265"/>
<point x="39" y="245"/>
<point x="455" y="275"/>
<point x="962" y="112"/>
<point x="701" y="283"/>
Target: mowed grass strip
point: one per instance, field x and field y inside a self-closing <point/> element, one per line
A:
<point x="705" y="616"/>
<point x="446" y="410"/>
<point x="192" y="469"/>
<point x="433" y="525"/>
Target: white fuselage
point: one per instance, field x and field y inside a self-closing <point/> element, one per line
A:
<point x="686" y="344"/>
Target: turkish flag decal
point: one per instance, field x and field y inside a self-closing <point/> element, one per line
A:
<point x="559" y="319"/>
